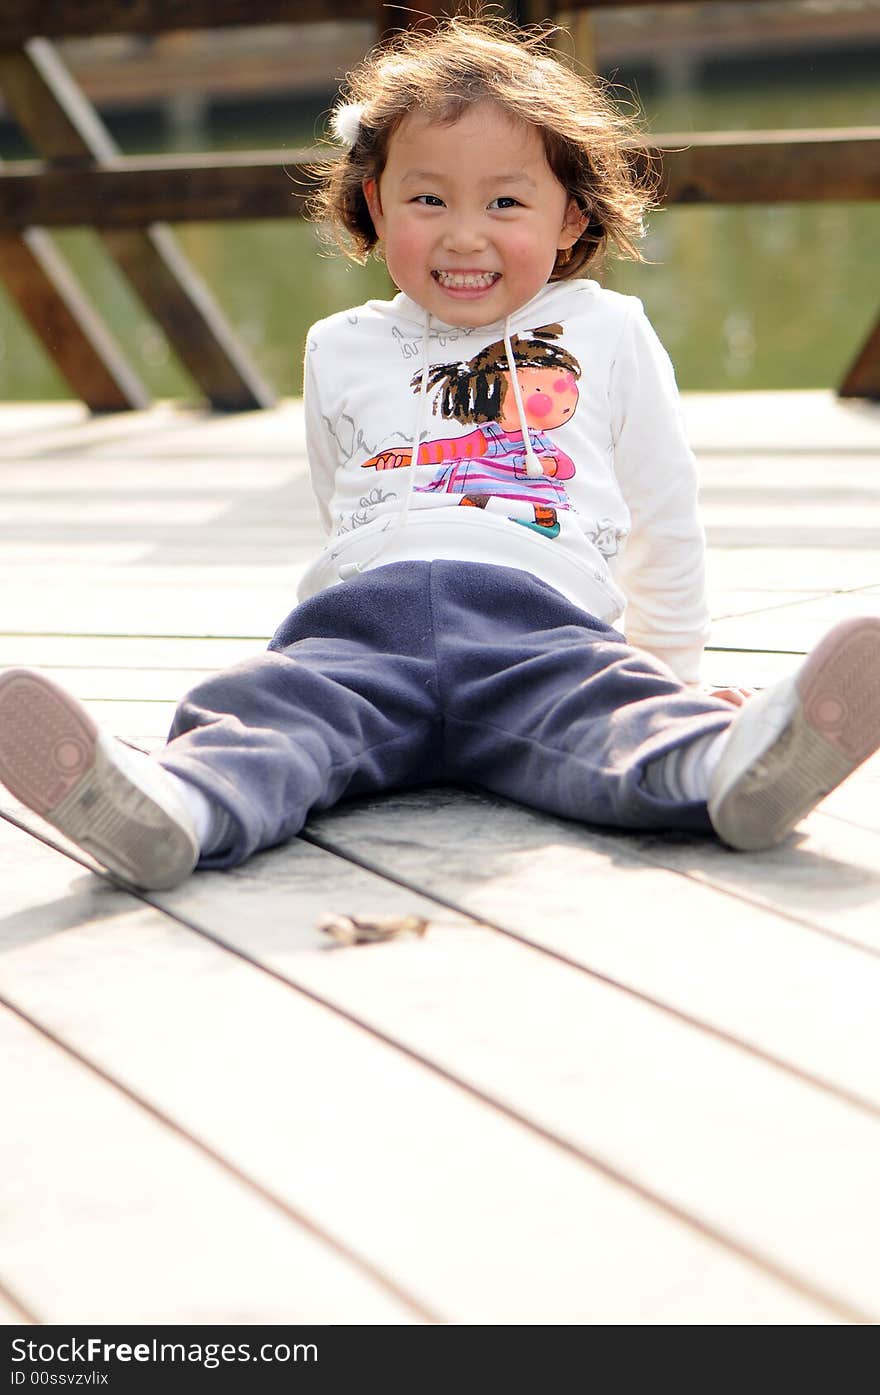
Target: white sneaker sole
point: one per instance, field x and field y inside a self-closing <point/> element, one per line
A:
<point x="54" y="759"/>
<point x="834" y="725"/>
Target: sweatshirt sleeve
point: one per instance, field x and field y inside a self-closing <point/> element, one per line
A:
<point x="319" y="442"/>
<point x="662" y="569"/>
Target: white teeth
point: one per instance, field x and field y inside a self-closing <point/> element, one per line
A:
<point x="480" y="279"/>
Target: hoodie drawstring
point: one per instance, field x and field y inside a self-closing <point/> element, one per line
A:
<point x="533" y="464"/>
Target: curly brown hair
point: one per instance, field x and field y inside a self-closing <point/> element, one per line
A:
<point x="588" y="141"/>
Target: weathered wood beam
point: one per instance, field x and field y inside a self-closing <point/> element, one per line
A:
<point x="138" y="190"/>
<point x="72" y="333"/>
<point x="76" y="339"/>
<point x="770" y="166"/>
<point x="53" y="19"/>
<point x="561" y="6"/>
<point x="22" y="19"/>
<point x="758" y="167"/>
<point x="863" y="377"/>
<point x="46" y="103"/>
<point x="64" y="126"/>
<point x="181" y="302"/>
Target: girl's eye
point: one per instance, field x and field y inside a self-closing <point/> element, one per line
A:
<point x="505" y="202"/>
<point x="429" y="200"/>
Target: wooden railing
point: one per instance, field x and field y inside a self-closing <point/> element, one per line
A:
<point x="82" y="179"/>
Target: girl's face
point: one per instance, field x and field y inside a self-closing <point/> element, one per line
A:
<point x="549" y="398"/>
<point x="470" y="215"/>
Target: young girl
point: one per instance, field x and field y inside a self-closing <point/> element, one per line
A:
<point x="457" y="625"/>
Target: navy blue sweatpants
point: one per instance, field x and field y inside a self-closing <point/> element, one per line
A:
<point x="424" y="672"/>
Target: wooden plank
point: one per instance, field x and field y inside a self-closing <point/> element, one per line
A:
<point x="744" y="533"/>
<point x="267" y="62"/>
<point x="46" y="434"/>
<point x="733" y="506"/>
<point x="795" y="627"/>
<point x="726" y="605"/>
<point x="533" y="985"/>
<point x="72" y="652"/>
<point x="624" y="1082"/>
<point x="117" y="685"/>
<point x="91" y="607"/>
<point x="788" y="568"/>
<point x="11" y="1311"/>
<point x="766" y="446"/>
<point x="162" y="520"/>
<point x="175" y="469"/>
<point x="76" y="504"/>
<point x="76" y="339"/>
<point x="146" y="724"/>
<point x="62" y="125"/>
<point x="790" y="427"/>
<point x="140" y="190"/>
<point x="121" y="567"/>
<point x="21" y="19"/>
<point x="862" y="378"/>
<point x="180" y="301"/>
<point x="758" y="977"/>
<point x="151" y="513"/>
<point x="768" y="166"/>
<point x="741" y="668"/>
<point x="858" y="801"/>
<point x="480" y="1217"/>
<point x="54" y="18"/>
<point x="828" y="879"/>
<point x="621" y="4"/>
<point x="111" y="1216"/>
<point x="46" y="103"/>
<point x="763" y="167"/>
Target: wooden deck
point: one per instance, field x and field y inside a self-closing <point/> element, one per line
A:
<point x="621" y="1079"/>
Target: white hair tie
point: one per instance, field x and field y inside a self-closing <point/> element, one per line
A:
<point x="345" y="123"/>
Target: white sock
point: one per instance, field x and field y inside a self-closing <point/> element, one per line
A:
<point x="212" y="823"/>
<point x="683" y="774"/>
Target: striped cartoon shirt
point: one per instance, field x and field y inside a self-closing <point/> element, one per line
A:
<point x="493" y="461"/>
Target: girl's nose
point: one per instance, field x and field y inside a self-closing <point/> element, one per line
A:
<point x="464" y="236"/>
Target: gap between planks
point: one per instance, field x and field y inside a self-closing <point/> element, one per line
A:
<point x="750" y="1248"/>
<point x="679" y="937"/>
<point x="13" y="1312"/>
<point x="128" y="1221"/>
<point x="510" y="1191"/>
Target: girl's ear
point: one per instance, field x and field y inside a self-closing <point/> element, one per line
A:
<point x="370" y="188"/>
<point x="575" y="223"/>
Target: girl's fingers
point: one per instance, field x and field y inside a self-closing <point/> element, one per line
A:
<point x="735" y="696"/>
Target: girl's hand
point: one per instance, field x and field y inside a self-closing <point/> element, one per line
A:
<point x="388" y="460"/>
<point x="735" y="696"/>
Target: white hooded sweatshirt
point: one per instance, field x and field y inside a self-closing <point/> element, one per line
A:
<point x="574" y="467"/>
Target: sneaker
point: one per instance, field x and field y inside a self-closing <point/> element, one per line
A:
<point x="115" y="803"/>
<point x="794" y="743"/>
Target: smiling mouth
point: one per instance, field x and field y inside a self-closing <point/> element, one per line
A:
<point x="467" y="280"/>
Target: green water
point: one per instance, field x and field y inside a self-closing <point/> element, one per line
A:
<point x="743" y="297"/>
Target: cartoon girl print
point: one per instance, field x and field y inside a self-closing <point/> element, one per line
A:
<point x="487" y="467"/>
